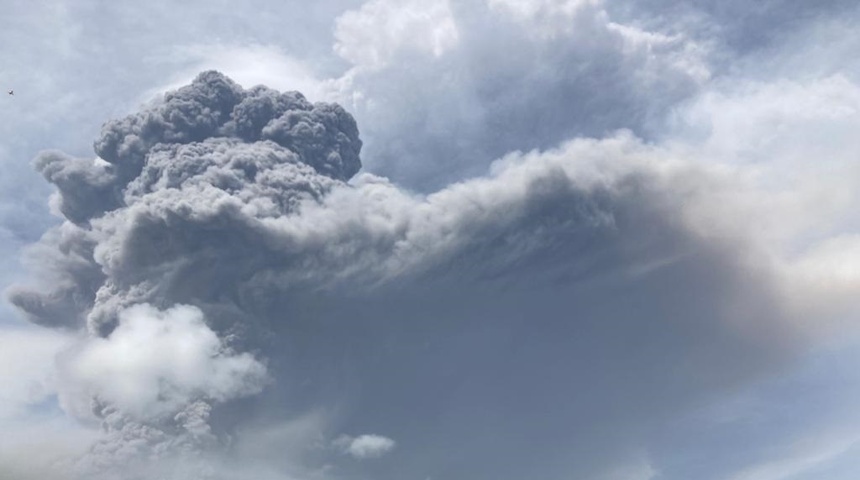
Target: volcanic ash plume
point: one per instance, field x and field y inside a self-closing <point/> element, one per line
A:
<point x="214" y="257"/>
<point x="207" y="158"/>
<point x="173" y="212"/>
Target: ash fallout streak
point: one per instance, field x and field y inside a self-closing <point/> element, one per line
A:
<point x="226" y="269"/>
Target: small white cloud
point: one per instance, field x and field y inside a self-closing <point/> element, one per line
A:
<point x="155" y="362"/>
<point x="364" y="446"/>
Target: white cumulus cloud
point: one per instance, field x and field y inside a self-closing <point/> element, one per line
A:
<point x="365" y="446"/>
<point x="155" y="362"/>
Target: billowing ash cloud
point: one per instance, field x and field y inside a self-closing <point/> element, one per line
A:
<point x="264" y="149"/>
<point x="156" y="362"/>
<point x="323" y="136"/>
<point x="174" y="190"/>
<point x="564" y="304"/>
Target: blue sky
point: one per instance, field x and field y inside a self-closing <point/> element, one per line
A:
<point x="591" y="239"/>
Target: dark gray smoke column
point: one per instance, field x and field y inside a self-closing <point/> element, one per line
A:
<point x="204" y="153"/>
<point x="174" y="213"/>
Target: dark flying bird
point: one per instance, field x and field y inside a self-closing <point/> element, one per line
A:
<point x="11" y="92"/>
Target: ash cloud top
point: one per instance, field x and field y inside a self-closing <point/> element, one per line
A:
<point x="261" y="148"/>
<point x="322" y="136"/>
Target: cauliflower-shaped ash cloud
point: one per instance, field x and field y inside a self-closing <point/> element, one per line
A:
<point x="364" y="446"/>
<point x="323" y="136"/>
<point x="211" y="143"/>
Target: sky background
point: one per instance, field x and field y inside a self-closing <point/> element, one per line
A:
<point x="589" y="239"/>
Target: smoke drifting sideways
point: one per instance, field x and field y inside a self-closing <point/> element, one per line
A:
<point x="224" y="268"/>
